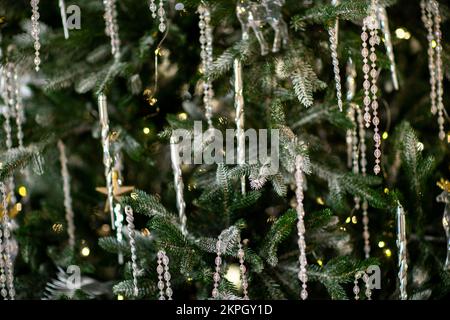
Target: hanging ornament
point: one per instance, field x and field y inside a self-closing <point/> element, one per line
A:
<point x="333" y="36"/>
<point x="243" y="271"/>
<point x="207" y="59"/>
<point x="239" y="117"/>
<point x="163" y="273"/>
<point x="356" y="290"/>
<point x="162" y="17"/>
<point x="302" y="276"/>
<point x="35" y="30"/>
<point x="67" y="196"/>
<point x="402" y="251"/>
<point x="107" y="160"/>
<point x="178" y="181"/>
<point x="351" y="90"/>
<point x="445" y="198"/>
<point x="112" y="28"/>
<point x="431" y="17"/>
<point x="152" y="6"/>
<point x="62" y="8"/>
<point x="384" y="24"/>
<point x="131" y="235"/>
<point x="218" y="263"/>
<point x="370" y="32"/>
<point x="255" y="15"/>
<point x="114" y="188"/>
<point x="6" y="264"/>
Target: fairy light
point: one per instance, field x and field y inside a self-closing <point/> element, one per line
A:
<point x="146" y="130"/>
<point x="385" y="135"/>
<point x="234" y="275"/>
<point x="22" y="191"/>
<point x="402" y="33"/>
<point x="320" y="262"/>
<point x="381" y="244"/>
<point x="348" y="219"/>
<point x="388" y="252"/>
<point x="320" y="201"/>
<point x="120" y="297"/>
<point x="85" y="251"/>
<point x="182" y="116"/>
<point x="354" y="220"/>
<point x="386" y="190"/>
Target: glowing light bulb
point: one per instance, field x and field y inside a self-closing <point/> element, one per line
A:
<point x="234" y="275"/>
<point x="85" y="251"/>
<point x="381" y="244"/>
<point x="22" y="191"/>
<point x="146" y="130"/>
<point x="388" y="252"/>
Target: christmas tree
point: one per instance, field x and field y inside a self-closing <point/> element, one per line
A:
<point x="99" y="202"/>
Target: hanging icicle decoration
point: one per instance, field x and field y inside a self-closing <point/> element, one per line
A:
<point x="384" y="24"/>
<point x="67" y="196"/>
<point x="112" y="28"/>
<point x="7" y="282"/>
<point x="370" y="32"/>
<point x="178" y="181"/>
<point x="363" y="165"/>
<point x="207" y="59"/>
<point x="432" y="19"/>
<point x="107" y="159"/>
<point x="333" y="37"/>
<point x="243" y="271"/>
<point x="163" y="273"/>
<point x="131" y="235"/>
<point x="218" y="263"/>
<point x="402" y="251"/>
<point x="302" y="276"/>
<point x="62" y="8"/>
<point x="35" y="31"/>
<point x="162" y="17"/>
<point x="239" y="117"/>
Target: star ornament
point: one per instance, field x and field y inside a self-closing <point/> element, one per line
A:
<point x="118" y="189"/>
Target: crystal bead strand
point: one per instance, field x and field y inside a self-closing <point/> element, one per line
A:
<point x="207" y="58"/>
<point x="112" y="28"/>
<point x="167" y="277"/>
<point x="302" y="276"/>
<point x="243" y="270"/>
<point x="160" y="271"/>
<point x="131" y="236"/>
<point x="366" y="70"/>
<point x="368" y="292"/>
<point x="363" y="164"/>
<point x="439" y="73"/>
<point x="356" y="289"/>
<point x="18" y="109"/>
<point x="3" y="286"/>
<point x="35" y="30"/>
<point x="218" y="262"/>
<point x="152" y="6"/>
<point x="162" y="16"/>
<point x="8" y="265"/>
<point x="427" y="19"/>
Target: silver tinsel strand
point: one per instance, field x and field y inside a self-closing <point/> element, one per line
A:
<point x="107" y="159"/>
<point x="67" y="196"/>
<point x="239" y="117"/>
<point x="402" y="251"/>
<point x="131" y="235"/>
